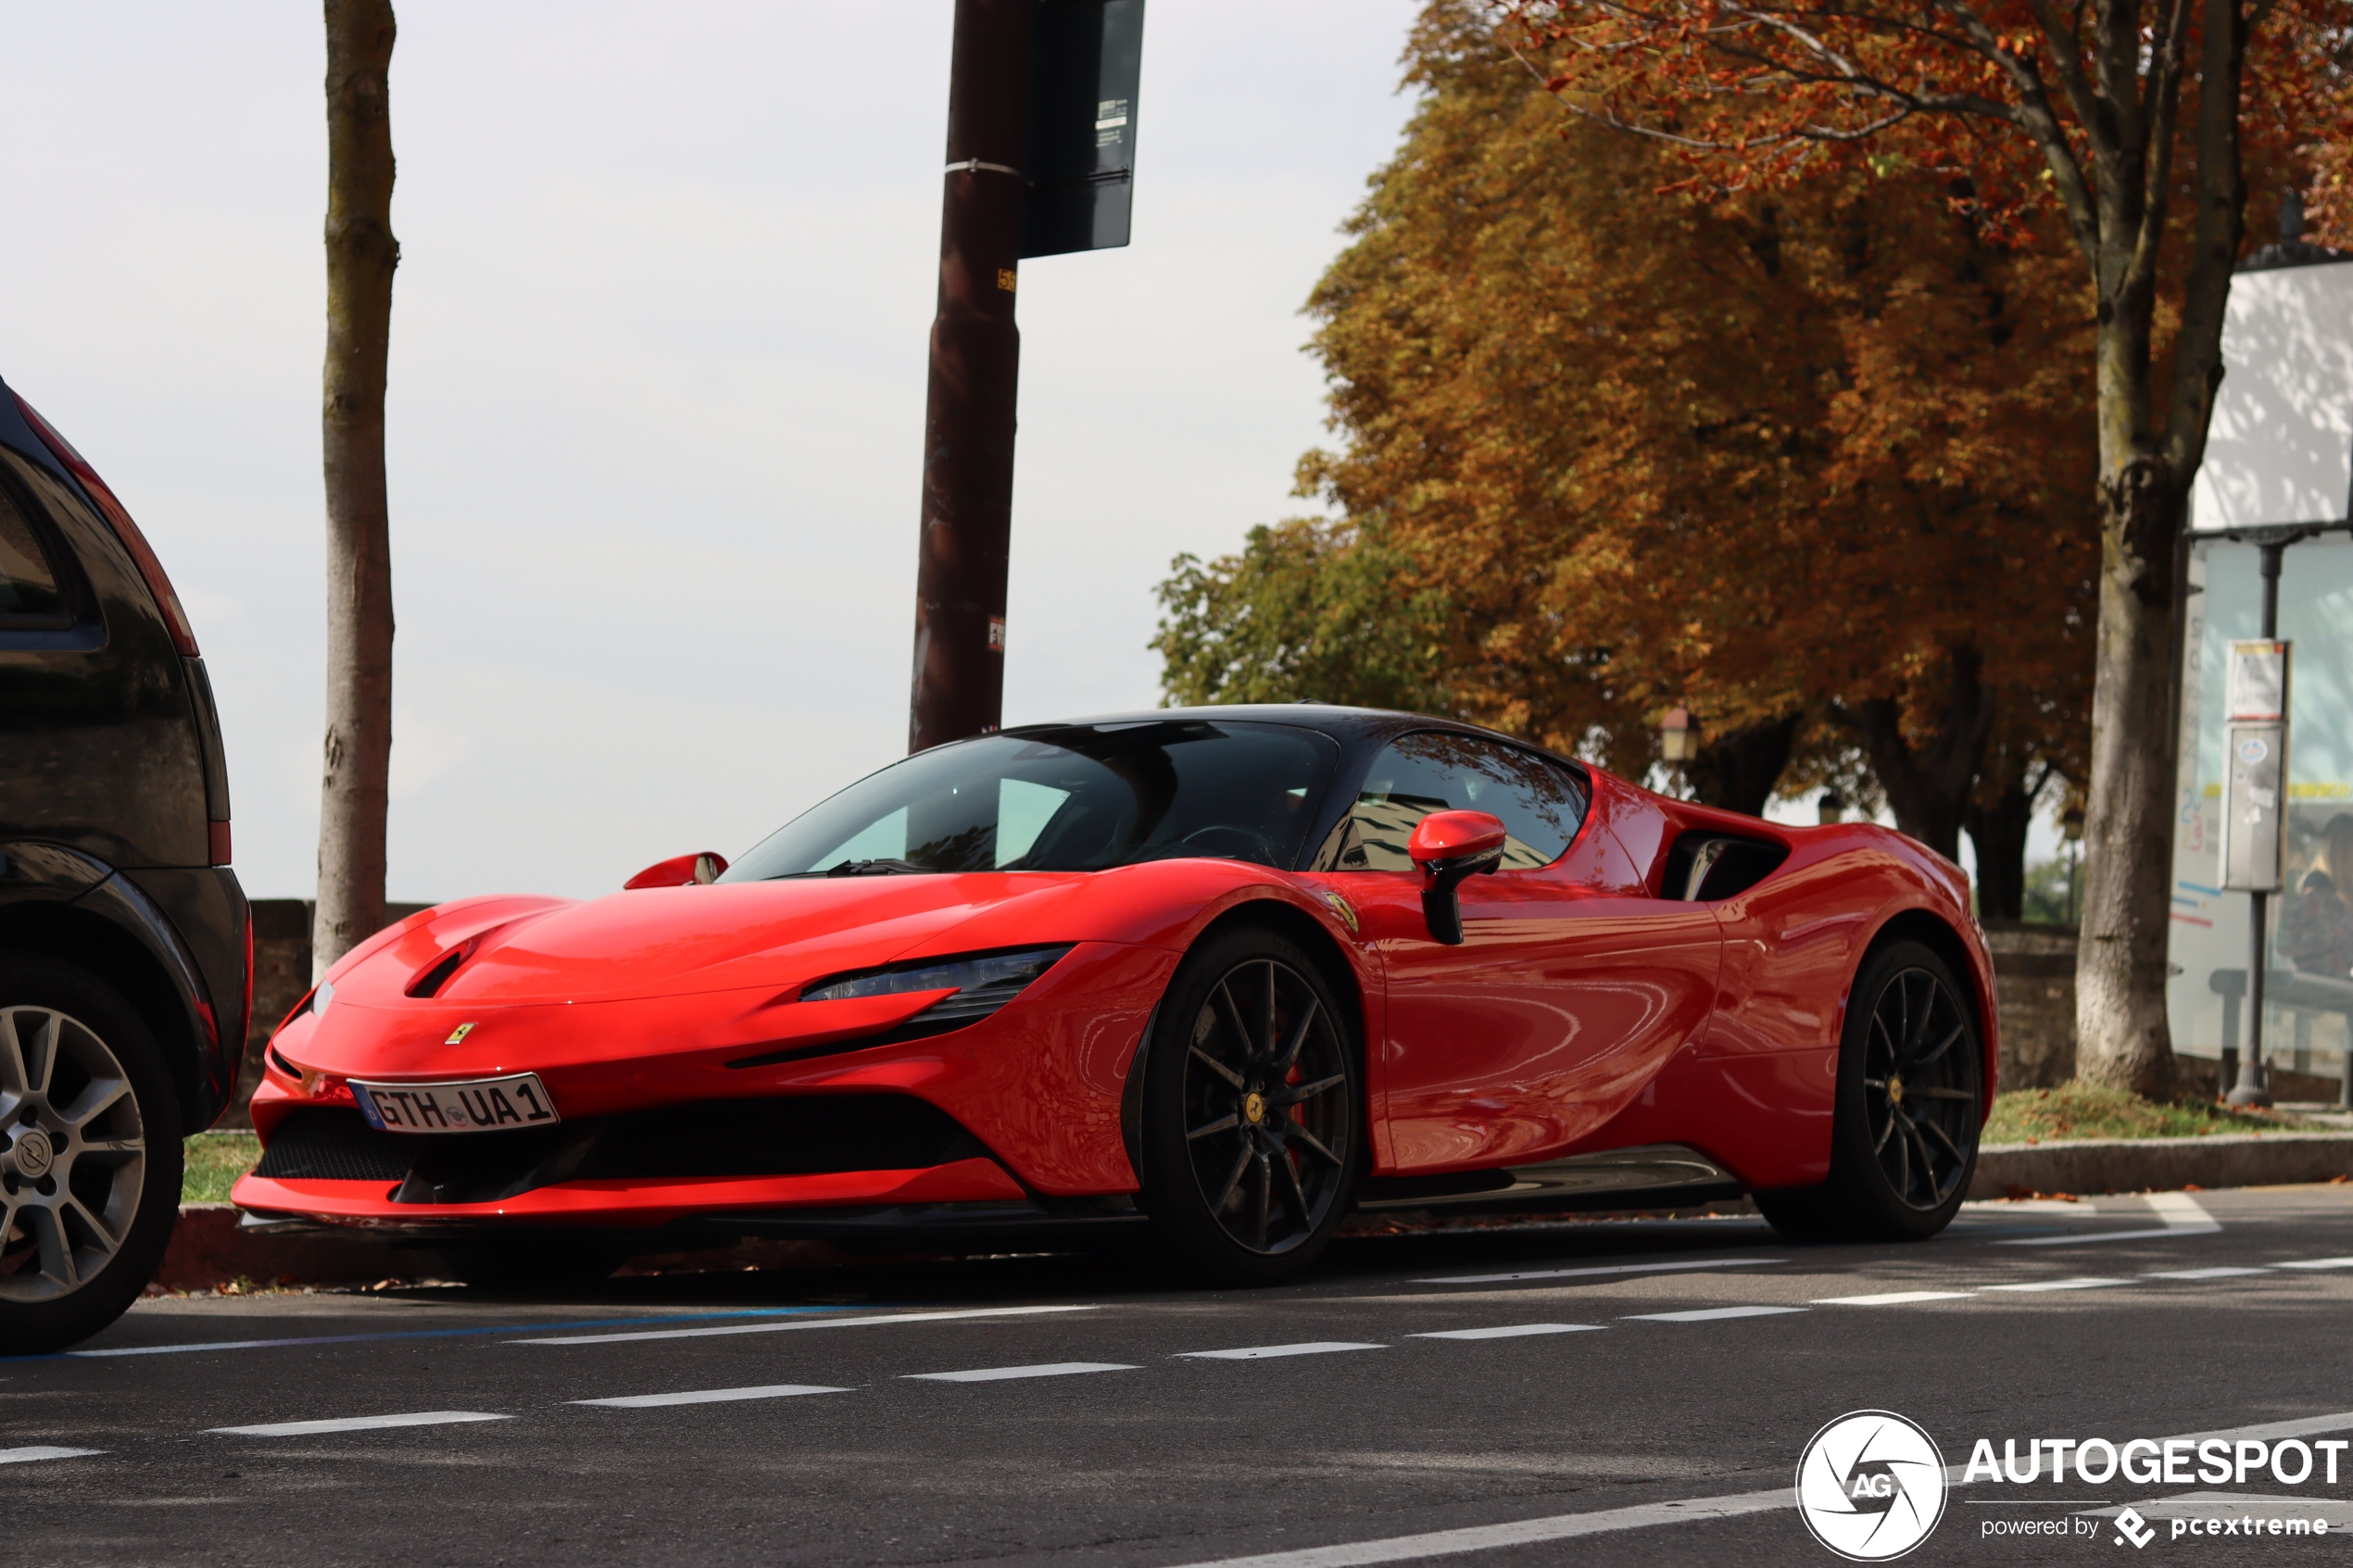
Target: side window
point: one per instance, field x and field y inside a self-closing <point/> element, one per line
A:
<point x="1540" y="802"/>
<point x="30" y="596"/>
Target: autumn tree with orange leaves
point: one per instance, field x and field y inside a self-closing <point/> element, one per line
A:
<point x="1807" y="464"/>
<point x="2134" y="122"/>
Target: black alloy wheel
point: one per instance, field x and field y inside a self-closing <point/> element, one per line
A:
<point x="90" y="1156"/>
<point x="1919" y="1089"/>
<point x="1910" y="1103"/>
<point x="1251" y="1110"/>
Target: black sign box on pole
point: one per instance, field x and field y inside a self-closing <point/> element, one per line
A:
<point x="1086" y="60"/>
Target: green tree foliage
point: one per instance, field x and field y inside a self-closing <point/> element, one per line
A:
<point x="1308" y="611"/>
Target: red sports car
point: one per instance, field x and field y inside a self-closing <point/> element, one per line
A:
<point x="1224" y="975"/>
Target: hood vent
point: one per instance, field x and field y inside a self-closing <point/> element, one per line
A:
<point x="435" y="978"/>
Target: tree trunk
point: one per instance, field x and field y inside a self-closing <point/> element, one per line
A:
<point x="1998" y="834"/>
<point x="1737" y="773"/>
<point x="362" y="254"/>
<point x="1928" y="786"/>
<point x="2122" y="1040"/>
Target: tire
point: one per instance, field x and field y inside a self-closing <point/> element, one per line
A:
<point x="533" y="1263"/>
<point x="1910" y="1102"/>
<point x="1252" y="1116"/>
<point x="90" y="1155"/>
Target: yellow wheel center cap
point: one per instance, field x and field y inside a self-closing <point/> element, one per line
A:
<point x="1254" y="1109"/>
<point x="1896" y="1091"/>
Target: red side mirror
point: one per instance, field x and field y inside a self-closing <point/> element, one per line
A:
<point x="680" y="870"/>
<point x="1454" y="835"/>
<point x="1450" y="845"/>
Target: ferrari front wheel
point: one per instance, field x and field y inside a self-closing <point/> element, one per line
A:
<point x="1910" y="1100"/>
<point x="1250" y="1111"/>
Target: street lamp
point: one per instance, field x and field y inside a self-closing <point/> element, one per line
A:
<point x="1679" y="741"/>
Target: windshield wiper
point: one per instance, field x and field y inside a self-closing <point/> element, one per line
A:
<point x="873" y="868"/>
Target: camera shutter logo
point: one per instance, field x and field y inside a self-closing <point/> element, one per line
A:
<point x="1870" y="1485"/>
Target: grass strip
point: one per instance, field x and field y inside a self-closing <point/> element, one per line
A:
<point x="2077" y="1111"/>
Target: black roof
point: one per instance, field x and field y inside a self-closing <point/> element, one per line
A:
<point x="1351" y="726"/>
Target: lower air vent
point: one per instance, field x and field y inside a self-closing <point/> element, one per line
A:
<point x="782" y="1136"/>
<point x="777" y="1135"/>
<point x="329" y="1145"/>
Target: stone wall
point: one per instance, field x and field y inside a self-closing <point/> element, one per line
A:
<point x="2034" y="991"/>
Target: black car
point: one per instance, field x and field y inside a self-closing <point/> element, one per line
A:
<point x="126" y="951"/>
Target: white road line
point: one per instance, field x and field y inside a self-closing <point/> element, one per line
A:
<point x="2272" y="1431"/>
<point x="1524" y="1532"/>
<point x="1610" y="1268"/>
<point x="1510" y="1331"/>
<point x="1565" y="1526"/>
<point x="999" y="1373"/>
<point x="1709" y="1314"/>
<point x="2318" y="1264"/>
<point x="1260" y="1352"/>
<point x="357" y="1424"/>
<point x="2086" y="1284"/>
<point x="709" y="1396"/>
<point x="38" y="1451"/>
<point x="2182" y="1213"/>
<point x="879" y="1321"/>
<point x="1894" y="1298"/>
<point x="2202" y="1273"/>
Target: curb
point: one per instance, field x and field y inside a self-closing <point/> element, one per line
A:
<point x="2228" y="1160"/>
<point x="208" y="1249"/>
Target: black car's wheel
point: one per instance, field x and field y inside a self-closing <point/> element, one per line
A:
<point x="1251" y="1112"/>
<point x="1910" y="1101"/>
<point x="89" y="1155"/>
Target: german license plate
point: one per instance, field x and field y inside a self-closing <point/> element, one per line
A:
<point x="472" y="1104"/>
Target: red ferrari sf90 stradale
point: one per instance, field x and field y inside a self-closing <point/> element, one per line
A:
<point x="1224" y="975"/>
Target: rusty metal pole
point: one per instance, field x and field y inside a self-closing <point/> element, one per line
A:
<point x="975" y="361"/>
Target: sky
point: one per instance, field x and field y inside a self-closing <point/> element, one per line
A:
<point x="656" y="385"/>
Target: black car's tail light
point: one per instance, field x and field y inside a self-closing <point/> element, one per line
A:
<point x="175" y="618"/>
<point x="982" y="982"/>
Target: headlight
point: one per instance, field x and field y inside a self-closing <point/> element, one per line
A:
<point x="982" y="983"/>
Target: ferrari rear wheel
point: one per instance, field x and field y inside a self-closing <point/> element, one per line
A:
<point x="1910" y="1102"/>
<point x="89" y="1155"/>
<point x="1251" y="1112"/>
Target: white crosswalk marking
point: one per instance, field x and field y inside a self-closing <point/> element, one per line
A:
<point x="876" y="1322"/>
<point x="709" y="1396"/>
<point x="1894" y="1298"/>
<point x="357" y="1424"/>
<point x="1509" y="1331"/>
<point x="1001" y="1374"/>
<point x="1523" y="1531"/>
<point x="2201" y="1273"/>
<point x="1677" y="1268"/>
<point x="2182" y="1214"/>
<point x="2318" y="1264"/>
<point x="1260" y="1352"/>
<point x="2038" y="1285"/>
<point x="40" y="1451"/>
<point x="1710" y="1314"/>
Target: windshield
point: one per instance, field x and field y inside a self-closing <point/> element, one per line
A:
<point x="1070" y="797"/>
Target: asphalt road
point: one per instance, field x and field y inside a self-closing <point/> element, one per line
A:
<point x="1640" y="1391"/>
